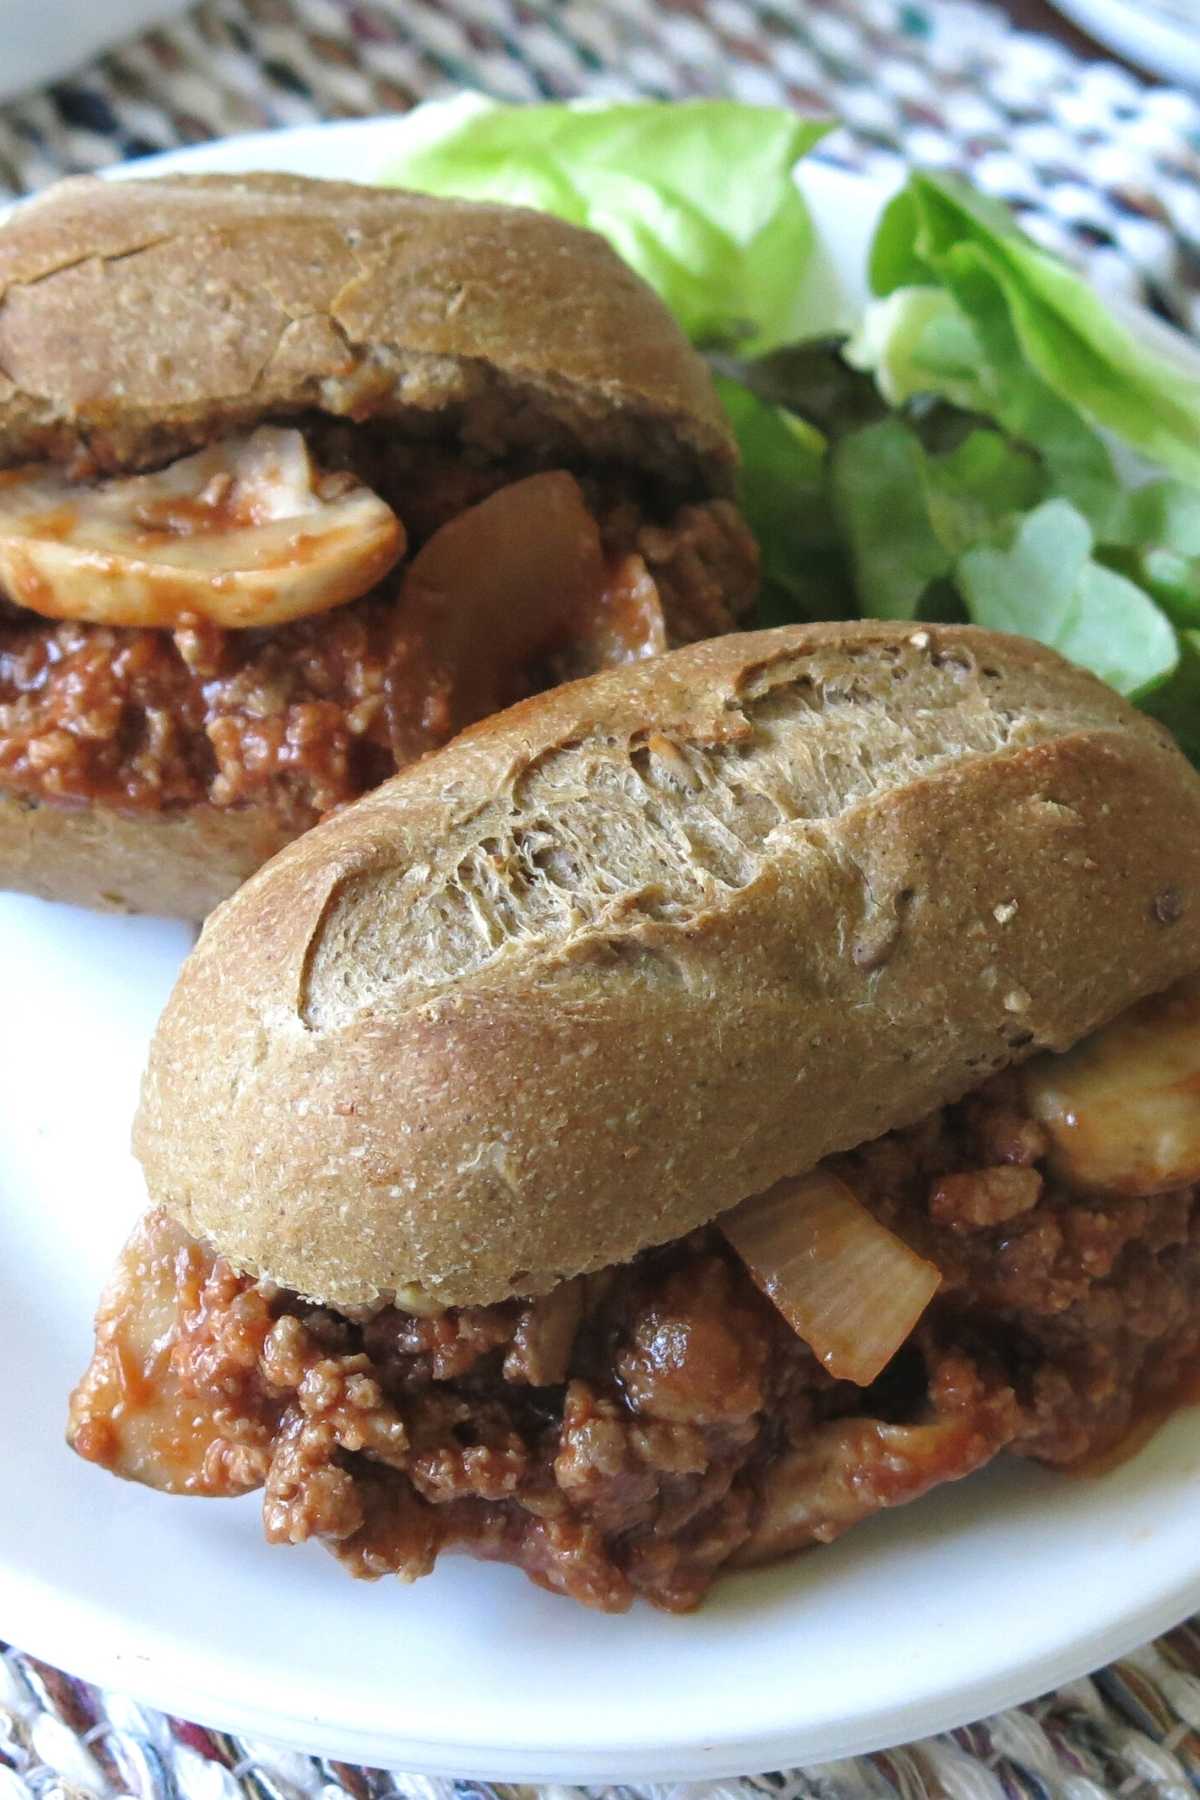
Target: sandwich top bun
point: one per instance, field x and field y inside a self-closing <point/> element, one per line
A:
<point x="141" y="317"/>
<point x="640" y="947"/>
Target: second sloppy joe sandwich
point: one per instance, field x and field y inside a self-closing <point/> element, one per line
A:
<point x="297" y="478"/>
<point x="700" y="1107"/>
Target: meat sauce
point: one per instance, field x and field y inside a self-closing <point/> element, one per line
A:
<point x="636" y="1430"/>
<point x="306" y="716"/>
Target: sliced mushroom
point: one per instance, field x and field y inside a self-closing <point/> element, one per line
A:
<point x="247" y="532"/>
<point x="1123" y="1107"/>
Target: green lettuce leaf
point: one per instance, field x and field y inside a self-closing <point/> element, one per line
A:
<point x="1174" y="581"/>
<point x="908" y="515"/>
<point x="1165" y="514"/>
<point x="1030" y="311"/>
<point x="879" y="492"/>
<point x="1171" y="580"/>
<point x="1046" y="584"/>
<point x="1177" y="703"/>
<point x="973" y="490"/>
<point x="699" y="197"/>
<point x="920" y="341"/>
<point x="981" y="317"/>
<point x="782" y="491"/>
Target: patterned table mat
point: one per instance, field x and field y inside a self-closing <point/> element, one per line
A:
<point x="1131" y="1732"/>
<point x="1103" y="168"/>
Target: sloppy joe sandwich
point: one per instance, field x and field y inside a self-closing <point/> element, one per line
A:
<point x="297" y="478"/>
<point x="697" y="1108"/>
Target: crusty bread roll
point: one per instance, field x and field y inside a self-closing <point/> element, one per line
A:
<point x="640" y="947"/>
<point x="141" y="316"/>
<point x="141" y="319"/>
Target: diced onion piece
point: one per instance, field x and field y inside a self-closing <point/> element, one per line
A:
<point x="521" y="576"/>
<point x="845" y="1284"/>
<point x="1123" y="1107"/>
<point x="245" y="533"/>
<point x="130" y="1412"/>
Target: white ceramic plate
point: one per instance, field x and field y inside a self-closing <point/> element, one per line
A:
<point x="981" y="1596"/>
<point x="1164" y="38"/>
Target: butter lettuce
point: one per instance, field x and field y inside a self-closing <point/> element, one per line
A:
<point x="966" y="534"/>
<point x="881" y="502"/>
<point x="1045" y="583"/>
<point x="1100" y="555"/>
<point x="992" y="443"/>
<point x="1033" y="316"/>
<point x="699" y="197"/>
<point x="782" y="491"/>
<point x="919" y="342"/>
<point x="908" y="514"/>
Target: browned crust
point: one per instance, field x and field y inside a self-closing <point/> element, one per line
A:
<point x="177" y="864"/>
<point x="523" y="1012"/>
<point x="142" y="315"/>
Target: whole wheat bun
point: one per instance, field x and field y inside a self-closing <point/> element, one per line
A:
<point x="179" y="864"/>
<point x="140" y="318"/>
<point x="641" y="946"/>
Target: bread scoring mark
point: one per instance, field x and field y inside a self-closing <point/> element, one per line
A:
<point x="610" y="847"/>
<point x="337" y="882"/>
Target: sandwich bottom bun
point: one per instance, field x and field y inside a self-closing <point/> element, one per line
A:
<point x="696" y="1110"/>
<point x="177" y="864"/>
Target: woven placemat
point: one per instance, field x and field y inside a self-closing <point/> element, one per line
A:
<point x="1131" y="1731"/>
<point x="1101" y="167"/>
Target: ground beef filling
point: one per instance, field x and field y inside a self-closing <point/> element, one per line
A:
<point x="308" y="716"/>
<point x="633" y="1431"/>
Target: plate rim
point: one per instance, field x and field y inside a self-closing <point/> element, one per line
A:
<point x="719" y="1757"/>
